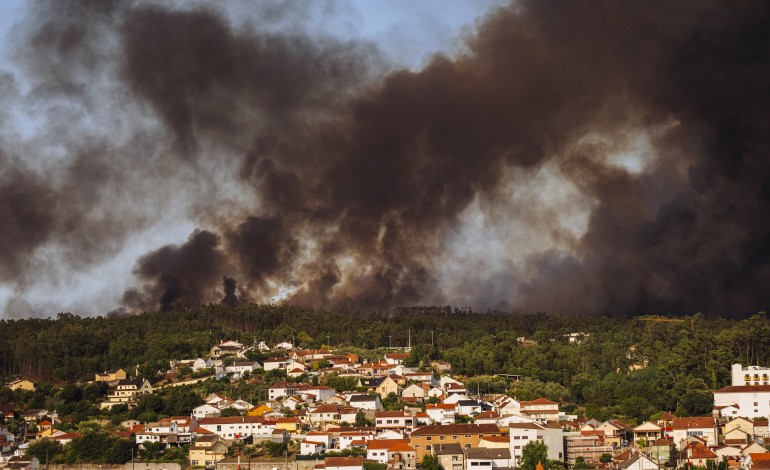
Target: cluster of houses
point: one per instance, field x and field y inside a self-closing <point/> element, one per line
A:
<point x="439" y="417"/>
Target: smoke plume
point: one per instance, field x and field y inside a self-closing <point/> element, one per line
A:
<point x="572" y="157"/>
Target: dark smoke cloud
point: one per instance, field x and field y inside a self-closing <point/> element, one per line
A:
<point x="317" y="173"/>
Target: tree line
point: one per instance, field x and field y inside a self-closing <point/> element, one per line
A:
<point x="629" y="366"/>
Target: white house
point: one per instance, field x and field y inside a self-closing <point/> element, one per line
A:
<point x="752" y="401"/>
<point x="239" y="368"/>
<point x="638" y="462"/>
<point x="702" y="427"/>
<point x="366" y="402"/>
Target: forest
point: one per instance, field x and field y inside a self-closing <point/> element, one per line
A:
<point x="616" y="366"/>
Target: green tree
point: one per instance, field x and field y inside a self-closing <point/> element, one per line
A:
<point x="533" y="453"/>
<point x="430" y="462"/>
<point x="605" y="458"/>
<point x="276" y="449"/>
<point x="45" y="450"/>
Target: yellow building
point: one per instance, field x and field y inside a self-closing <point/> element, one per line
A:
<point x="207" y="450"/>
<point x="259" y="410"/>
<point x="21" y="384"/>
<point x="383" y="386"/>
<point x="467" y="435"/>
<point x="111" y="376"/>
<point x="287" y="424"/>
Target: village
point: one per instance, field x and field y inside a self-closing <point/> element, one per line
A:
<point x="395" y="418"/>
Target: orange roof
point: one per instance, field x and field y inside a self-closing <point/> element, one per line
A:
<point x="386" y="443"/>
<point x="401" y="447"/>
<point x="496" y="438"/>
<point x="760" y="456"/>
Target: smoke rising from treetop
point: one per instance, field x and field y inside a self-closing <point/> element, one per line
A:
<point x="587" y="157"/>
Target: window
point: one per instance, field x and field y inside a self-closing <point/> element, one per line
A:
<point x="428" y="447"/>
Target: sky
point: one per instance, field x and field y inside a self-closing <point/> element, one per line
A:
<point x="536" y="156"/>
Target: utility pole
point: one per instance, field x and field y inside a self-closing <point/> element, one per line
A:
<point x="431" y="338"/>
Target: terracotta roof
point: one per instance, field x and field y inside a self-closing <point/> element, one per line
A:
<point x="699" y="451"/>
<point x="744" y="388"/>
<point x="391" y="414"/>
<point x="385" y="443"/>
<point x="497" y="438"/>
<point x="438" y="429"/>
<point x="401" y="447"/>
<point x="344" y="462"/>
<point x="694" y="422"/>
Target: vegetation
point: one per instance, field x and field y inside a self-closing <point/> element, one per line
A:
<point x="626" y="367"/>
<point x="535" y="452"/>
<point x="430" y="462"/>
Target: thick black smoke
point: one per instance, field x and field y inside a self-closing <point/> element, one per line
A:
<point x="319" y="174"/>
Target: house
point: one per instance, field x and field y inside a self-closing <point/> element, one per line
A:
<point x="395" y="359"/>
<point x="450" y="456"/>
<point x="660" y="450"/>
<point x="743" y="424"/>
<point x="21" y="384"/>
<point x="343" y="463"/>
<point x="423" y="439"/>
<point x="756" y="461"/>
<point x="284" y="389"/>
<point x="239" y="368"/>
<point x="495" y="442"/>
<point x="156" y="432"/>
<point x="401" y="457"/>
<point x="238" y="427"/>
<point x="487" y="417"/>
<point x="752" y="401"/>
<point x="366" y="402"/>
<point x="350" y="439"/>
<point x="34" y="415"/>
<point x="383" y="386"/>
<point x="394" y="420"/>
<point x="541" y="409"/>
<point x="291" y="425"/>
<point x="468" y="407"/>
<point x="484" y="458"/>
<point x="638" y="462"/>
<point x="441" y="413"/>
<point x="112" y="375"/>
<point x="377" y="449"/>
<point x="697" y="454"/>
<point x="207" y="450"/>
<point x="646" y="433"/>
<point x="228" y="348"/>
<point x="325" y="414"/>
<point x="441" y="366"/>
<point x="206" y="411"/>
<point x="616" y="433"/>
<point x="316" y="443"/>
<point x="414" y="391"/>
<point x="703" y="427"/>
<point x="125" y="391"/>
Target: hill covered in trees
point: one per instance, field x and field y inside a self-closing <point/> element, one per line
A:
<point x="629" y="366"/>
